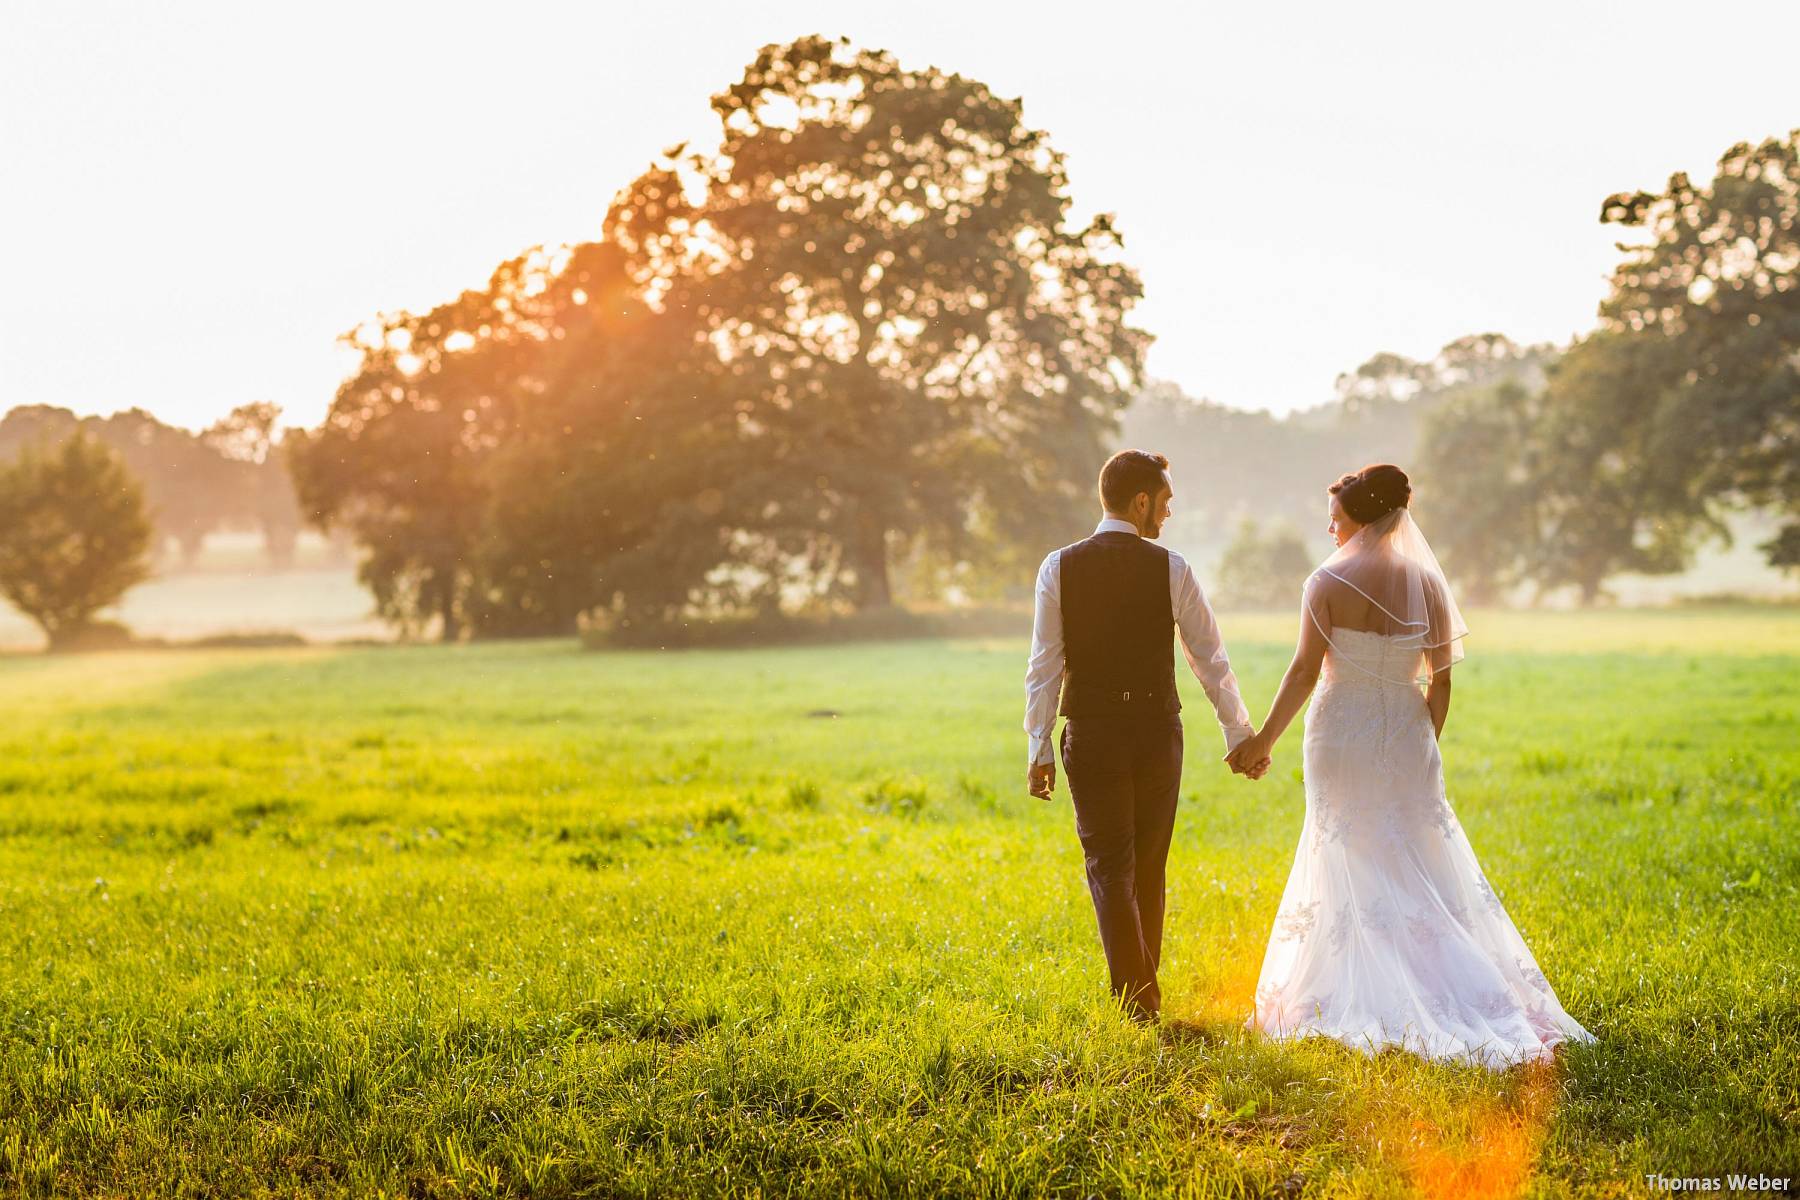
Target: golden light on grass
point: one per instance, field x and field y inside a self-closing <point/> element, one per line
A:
<point x="1484" y="1147"/>
<point x="1225" y="995"/>
<point x="1489" y="1150"/>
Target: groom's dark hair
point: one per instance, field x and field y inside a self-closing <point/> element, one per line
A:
<point x="1126" y="474"/>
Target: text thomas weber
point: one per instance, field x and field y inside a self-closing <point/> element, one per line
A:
<point x="1719" y="1183"/>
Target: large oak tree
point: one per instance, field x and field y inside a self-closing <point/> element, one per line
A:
<point x="917" y="343"/>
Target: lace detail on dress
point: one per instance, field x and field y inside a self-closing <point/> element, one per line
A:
<point x="1297" y="922"/>
<point x="1330" y="824"/>
<point x="1308" y="1008"/>
<point x="1340" y="927"/>
<point x="1395" y="829"/>
<point x="1533" y="976"/>
<point x="1494" y="1005"/>
<point x="1424" y="928"/>
<point x="1380" y="916"/>
<point x="1444" y="818"/>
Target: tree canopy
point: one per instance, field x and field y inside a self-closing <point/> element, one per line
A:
<point x="918" y="343"/>
<point x="1714" y="288"/>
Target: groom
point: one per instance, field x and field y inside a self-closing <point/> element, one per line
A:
<point x="1106" y="609"/>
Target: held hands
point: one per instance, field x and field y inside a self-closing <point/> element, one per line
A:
<point x="1251" y="758"/>
<point x="1042" y="779"/>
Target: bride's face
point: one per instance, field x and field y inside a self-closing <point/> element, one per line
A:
<point x="1340" y="526"/>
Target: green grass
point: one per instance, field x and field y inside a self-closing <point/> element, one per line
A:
<point x="520" y="919"/>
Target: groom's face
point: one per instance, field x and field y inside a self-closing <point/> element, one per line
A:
<point x="1150" y="525"/>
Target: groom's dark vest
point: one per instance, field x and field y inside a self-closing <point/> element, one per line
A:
<point x="1118" y="627"/>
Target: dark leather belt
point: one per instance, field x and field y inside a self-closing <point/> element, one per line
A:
<point x="1098" y="701"/>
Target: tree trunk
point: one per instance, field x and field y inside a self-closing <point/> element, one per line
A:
<point x="869" y="556"/>
<point x="447" y="607"/>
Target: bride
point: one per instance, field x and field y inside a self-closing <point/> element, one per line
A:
<point x="1388" y="933"/>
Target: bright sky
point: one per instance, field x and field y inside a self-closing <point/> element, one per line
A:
<point x="198" y="201"/>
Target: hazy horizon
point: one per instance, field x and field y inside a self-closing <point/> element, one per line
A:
<point x="209" y="200"/>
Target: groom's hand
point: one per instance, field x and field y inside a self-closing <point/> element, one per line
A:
<point x="1246" y="759"/>
<point x="1042" y="779"/>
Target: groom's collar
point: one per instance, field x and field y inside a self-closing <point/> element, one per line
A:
<point x="1115" y="525"/>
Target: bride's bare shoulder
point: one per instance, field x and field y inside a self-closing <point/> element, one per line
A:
<point x="1323" y="598"/>
<point x="1337" y="601"/>
<point x="1322" y="585"/>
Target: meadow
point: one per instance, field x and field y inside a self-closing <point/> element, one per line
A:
<point x="524" y="919"/>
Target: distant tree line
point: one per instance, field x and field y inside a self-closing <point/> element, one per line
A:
<point x="231" y="475"/>
<point x="1552" y="467"/>
<point x="1237" y="463"/>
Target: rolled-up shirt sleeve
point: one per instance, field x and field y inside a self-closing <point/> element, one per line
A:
<point x="1044" y="672"/>
<point x="1205" y="651"/>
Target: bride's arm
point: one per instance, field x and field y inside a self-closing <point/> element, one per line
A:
<point x="1437" y="699"/>
<point x="1440" y="656"/>
<point x="1296" y="684"/>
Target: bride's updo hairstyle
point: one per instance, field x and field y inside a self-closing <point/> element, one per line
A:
<point x="1372" y="493"/>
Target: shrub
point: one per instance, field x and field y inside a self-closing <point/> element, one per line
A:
<point x="74" y="538"/>
<point x="1263" y="567"/>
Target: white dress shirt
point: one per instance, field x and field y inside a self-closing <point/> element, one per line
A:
<point x="1200" y="642"/>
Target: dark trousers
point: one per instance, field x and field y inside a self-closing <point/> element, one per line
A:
<point x="1124" y="777"/>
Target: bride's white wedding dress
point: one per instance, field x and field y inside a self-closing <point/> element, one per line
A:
<point x="1388" y="933"/>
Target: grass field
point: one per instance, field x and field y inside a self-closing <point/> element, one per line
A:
<point x="520" y="919"/>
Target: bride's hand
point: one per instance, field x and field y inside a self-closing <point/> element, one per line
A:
<point x="1250" y="757"/>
